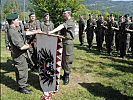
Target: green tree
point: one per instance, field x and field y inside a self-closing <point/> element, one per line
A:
<point x="7" y="9"/>
<point x="106" y="14"/>
<point x="54" y="7"/>
<point x="15" y="8"/>
<point x="117" y="14"/>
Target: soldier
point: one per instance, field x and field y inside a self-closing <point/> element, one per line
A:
<point x="125" y="36"/>
<point x="46" y="25"/>
<point x="18" y="49"/>
<point x="67" y="30"/>
<point x="8" y="46"/>
<point x="91" y="24"/>
<point x="81" y="29"/>
<point x="117" y="35"/>
<point x="131" y="34"/>
<point x="32" y="25"/>
<point x="100" y="31"/>
<point x="112" y="26"/>
<point x="131" y="18"/>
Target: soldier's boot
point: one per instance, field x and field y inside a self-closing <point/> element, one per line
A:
<point x="66" y="79"/>
<point x="25" y="90"/>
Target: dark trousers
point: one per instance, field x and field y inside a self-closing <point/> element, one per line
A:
<point x="124" y="44"/>
<point x="109" y="39"/>
<point x="22" y="70"/>
<point x="67" y="57"/>
<point x="81" y="37"/>
<point x="117" y="41"/>
<point x="131" y="43"/>
<point x="90" y="35"/>
<point x="99" y="39"/>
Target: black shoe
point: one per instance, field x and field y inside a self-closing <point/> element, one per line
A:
<point x="66" y="80"/>
<point x="25" y="90"/>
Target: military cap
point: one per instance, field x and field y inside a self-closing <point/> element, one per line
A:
<point x="32" y="13"/>
<point x="126" y="15"/>
<point x="120" y="16"/>
<point x="111" y="15"/>
<point x="90" y="14"/>
<point x="45" y="14"/>
<point x="100" y="15"/>
<point x="67" y="9"/>
<point x="131" y="17"/>
<point x="80" y="15"/>
<point x="12" y="16"/>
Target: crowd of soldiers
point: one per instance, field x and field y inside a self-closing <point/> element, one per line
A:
<point x="21" y="40"/>
<point x="115" y="33"/>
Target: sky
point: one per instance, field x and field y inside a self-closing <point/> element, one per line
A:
<point x="122" y="0"/>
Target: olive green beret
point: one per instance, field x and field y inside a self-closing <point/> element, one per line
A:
<point x="100" y="15"/>
<point x="111" y="15"/>
<point x="120" y="16"/>
<point x="45" y="14"/>
<point x="90" y="15"/>
<point x="67" y="9"/>
<point x="126" y="15"/>
<point x="12" y="16"/>
<point x="32" y="13"/>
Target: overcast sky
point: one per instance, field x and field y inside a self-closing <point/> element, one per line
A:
<point x="122" y="0"/>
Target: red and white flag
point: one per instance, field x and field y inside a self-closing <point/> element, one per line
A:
<point x="49" y="53"/>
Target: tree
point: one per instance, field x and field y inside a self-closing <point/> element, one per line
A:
<point x="117" y="14"/>
<point x="54" y="7"/>
<point x="105" y="14"/>
<point x="7" y="9"/>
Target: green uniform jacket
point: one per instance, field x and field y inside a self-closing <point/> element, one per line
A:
<point x="16" y="41"/>
<point x="47" y="26"/>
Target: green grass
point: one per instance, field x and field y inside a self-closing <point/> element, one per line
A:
<point x="94" y="76"/>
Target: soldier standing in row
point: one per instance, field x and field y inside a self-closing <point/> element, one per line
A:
<point x="117" y="35"/>
<point x="112" y="26"/>
<point x="67" y="30"/>
<point x="125" y="36"/>
<point x="46" y="25"/>
<point x="131" y="35"/>
<point x="81" y="29"/>
<point x="100" y="31"/>
<point x="18" y="50"/>
<point x="32" y="25"/>
<point x="91" y="24"/>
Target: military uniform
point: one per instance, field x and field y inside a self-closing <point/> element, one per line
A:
<point x="81" y="30"/>
<point x="117" y="36"/>
<point x="131" y="37"/>
<point x="33" y="51"/>
<point x="109" y="35"/>
<point x="124" y="38"/>
<point x="67" y="56"/>
<point x="100" y="33"/>
<point x="16" y="40"/>
<point x="6" y="37"/>
<point x="46" y="26"/>
<point x="90" y="32"/>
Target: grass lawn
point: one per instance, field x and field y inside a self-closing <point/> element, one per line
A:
<point x="93" y="76"/>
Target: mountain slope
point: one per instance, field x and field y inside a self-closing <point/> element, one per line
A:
<point x="108" y="5"/>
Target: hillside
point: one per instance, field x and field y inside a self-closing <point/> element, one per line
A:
<point x="108" y="5"/>
<point x="102" y="5"/>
